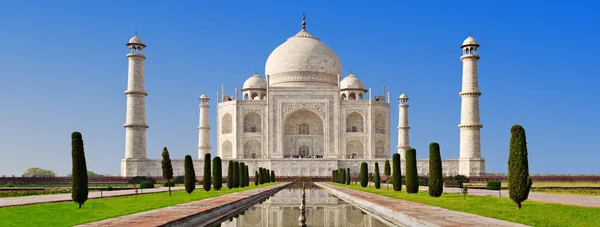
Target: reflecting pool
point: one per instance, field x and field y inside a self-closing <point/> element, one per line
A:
<point x="321" y="209"/>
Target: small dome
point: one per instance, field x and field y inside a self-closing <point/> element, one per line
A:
<point x="255" y="82"/>
<point x="204" y="97"/>
<point x="352" y="82"/>
<point x="136" y="40"/>
<point x="403" y="96"/>
<point x="469" y="41"/>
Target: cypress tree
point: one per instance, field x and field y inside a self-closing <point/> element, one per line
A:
<point x="206" y="181"/>
<point x="412" y="180"/>
<point x="364" y="170"/>
<point x="261" y="173"/>
<point x="519" y="181"/>
<point x="247" y="176"/>
<point x="230" y="174"/>
<point x="396" y="174"/>
<point x="79" y="176"/>
<point x="167" y="168"/>
<point x="189" y="174"/>
<point x="272" y="175"/>
<point x="334" y="179"/>
<point x="256" y="178"/>
<point x="377" y="177"/>
<point x="217" y="175"/>
<point x="348" y="176"/>
<point x="236" y="173"/>
<point x="343" y="177"/>
<point x="436" y="183"/>
<point x="242" y="175"/>
<point x="387" y="172"/>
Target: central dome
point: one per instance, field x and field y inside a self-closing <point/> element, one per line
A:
<point x="303" y="60"/>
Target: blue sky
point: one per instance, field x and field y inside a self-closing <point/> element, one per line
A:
<point x="63" y="69"/>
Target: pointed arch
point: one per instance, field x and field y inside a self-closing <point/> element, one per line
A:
<point x="252" y="122"/>
<point x="226" y="123"/>
<point x="355" y="122"/>
<point x="380" y="125"/>
<point x="355" y="148"/>
<point x="226" y="149"/>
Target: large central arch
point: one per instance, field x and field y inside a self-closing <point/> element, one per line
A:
<point x="303" y="132"/>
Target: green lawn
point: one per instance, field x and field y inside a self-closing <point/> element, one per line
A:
<point x="532" y="213"/>
<point x="587" y="192"/>
<point x="67" y="214"/>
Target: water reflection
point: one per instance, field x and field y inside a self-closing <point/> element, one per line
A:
<point x="322" y="209"/>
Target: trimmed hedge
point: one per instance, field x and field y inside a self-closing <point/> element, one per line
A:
<point x="364" y="169"/>
<point x="436" y="183"/>
<point x="230" y="174"/>
<point x="412" y="179"/>
<point x="206" y="181"/>
<point x="255" y="178"/>
<point x="272" y="176"/>
<point x="236" y="173"/>
<point x="146" y="184"/>
<point x="519" y="181"/>
<point x="348" y="176"/>
<point x="494" y="185"/>
<point x="377" y="177"/>
<point x="190" y="174"/>
<point x="217" y="175"/>
<point x="396" y="173"/>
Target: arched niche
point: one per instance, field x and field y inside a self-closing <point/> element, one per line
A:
<point x="226" y="123"/>
<point x="355" y="148"/>
<point x="355" y="122"/>
<point x="226" y="149"/>
<point x="252" y="149"/>
<point x="252" y="122"/>
<point x="303" y="127"/>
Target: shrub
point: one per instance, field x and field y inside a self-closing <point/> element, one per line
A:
<point x="190" y="174"/>
<point x="453" y="184"/>
<point x="396" y="173"/>
<point x="377" y="177"/>
<point x="168" y="184"/>
<point x="236" y="173"/>
<point x="364" y="169"/>
<point x="146" y="184"/>
<point x="412" y="180"/>
<point x="179" y="180"/>
<point x="139" y="179"/>
<point x="335" y="173"/>
<point x="272" y="176"/>
<point x="436" y="183"/>
<point x="242" y="175"/>
<point x="247" y="176"/>
<point x="332" y="175"/>
<point x="519" y="181"/>
<point x="230" y="174"/>
<point x="217" y="175"/>
<point x="348" y="176"/>
<point x="494" y="185"/>
<point x="109" y="188"/>
<point x="9" y="185"/>
<point x="79" y="180"/>
<point x="256" y="178"/>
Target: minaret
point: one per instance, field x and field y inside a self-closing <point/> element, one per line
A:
<point x="403" y="127"/>
<point x="470" y="163"/>
<point x="135" y="123"/>
<point x="203" y="128"/>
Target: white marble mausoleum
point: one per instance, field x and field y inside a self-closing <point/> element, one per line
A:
<point x="302" y="118"/>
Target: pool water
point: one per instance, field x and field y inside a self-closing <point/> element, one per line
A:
<point x="321" y="209"/>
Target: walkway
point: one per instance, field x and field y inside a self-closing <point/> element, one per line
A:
<point x="407" y="213"/>
<point x="203" y="211"/>
<point x="34" y="199"/>
<point x="577" y="200"/>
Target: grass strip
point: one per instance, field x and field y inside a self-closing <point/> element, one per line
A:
<point x="532" y="213"/>
<point x="67" y="214"/>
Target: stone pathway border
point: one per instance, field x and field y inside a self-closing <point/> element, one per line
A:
<point x="576" y="200"/>
<point x="35" y="199"/>
<point x="405" y="213"/>
<point x="198" y="213"/>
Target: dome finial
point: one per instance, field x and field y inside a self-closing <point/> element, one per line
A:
<point x="136" y="32"/>
<point x="303" y="21"/>
<point x="350" y="70"/>
<point x="255" y="72"/>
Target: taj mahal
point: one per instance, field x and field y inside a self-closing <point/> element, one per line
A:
<point x="303" y="118"/>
